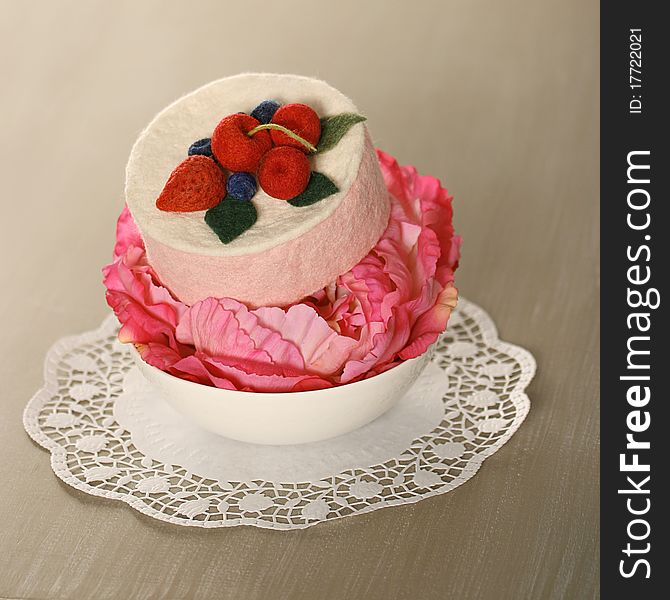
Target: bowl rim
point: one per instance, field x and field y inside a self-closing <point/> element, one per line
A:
<point x="246" y="394"/>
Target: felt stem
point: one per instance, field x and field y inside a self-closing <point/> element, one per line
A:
<point x="288" y="132"/>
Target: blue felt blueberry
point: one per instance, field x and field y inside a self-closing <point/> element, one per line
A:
<point x="265" y="111"/>
<point x="203" y="147"/>
<point x="241" y="186"/>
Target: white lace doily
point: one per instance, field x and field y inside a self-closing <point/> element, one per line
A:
<point x="111" y="435"/>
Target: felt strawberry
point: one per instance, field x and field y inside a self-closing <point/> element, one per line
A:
<point x="196" y="184"/>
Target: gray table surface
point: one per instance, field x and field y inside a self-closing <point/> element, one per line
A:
<point x="498" y="99"/>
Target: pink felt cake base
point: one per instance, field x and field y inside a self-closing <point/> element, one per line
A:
<point x="288" y="272"/>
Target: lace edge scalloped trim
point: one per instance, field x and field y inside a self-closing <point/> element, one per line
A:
<point x="58" y="453"/>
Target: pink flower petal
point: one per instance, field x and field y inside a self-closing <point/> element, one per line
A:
<point x="127" y="233"/>
<point x="147" y="312"/>
<point x="209" y="371"/>
<point x="227" y="331"/>
<point x="323" y="350"/>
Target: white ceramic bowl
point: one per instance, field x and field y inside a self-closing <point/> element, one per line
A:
<point x="285" y="418"/>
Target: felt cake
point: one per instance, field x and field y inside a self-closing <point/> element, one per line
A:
<point x="291" y="248"/>
<point x="267" y="246"/>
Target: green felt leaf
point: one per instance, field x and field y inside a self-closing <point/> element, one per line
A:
<point x="231" y="218"/>
<point x="333" y="129"/>
<point x="318" y="188"/>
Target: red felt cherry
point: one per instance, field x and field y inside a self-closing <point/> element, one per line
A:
<point x="284" y="172"/>
<point x="197" y="183"/>
<point x="300" y="119"/>
<point x="234" y="149"/>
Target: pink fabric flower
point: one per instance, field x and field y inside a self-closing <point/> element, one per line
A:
<point x="390" y="307"/>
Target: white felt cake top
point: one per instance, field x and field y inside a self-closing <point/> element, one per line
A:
<point x="164" y="144"/>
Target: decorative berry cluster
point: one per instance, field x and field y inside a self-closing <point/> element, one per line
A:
<point x="273" y="143"/>
<point x="269" y="147"/>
